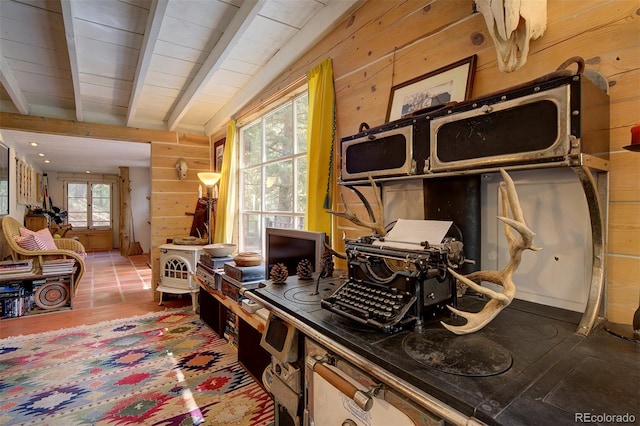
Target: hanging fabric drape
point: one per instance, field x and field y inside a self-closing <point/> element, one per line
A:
<point x="320" y="138"/>
<point x="225" y="211"/>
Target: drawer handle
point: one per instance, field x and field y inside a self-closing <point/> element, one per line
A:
<point x="361" y="398"/>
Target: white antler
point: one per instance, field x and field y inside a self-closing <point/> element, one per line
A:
<point x="499" y="301"/>
<point x="377" y="221"/>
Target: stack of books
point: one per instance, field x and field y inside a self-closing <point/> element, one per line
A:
<point x="231" y="329"/>
<point x="58" y="266"/>
<point x="214" y="262"/>
<point x="16" y="268"/>
<point x="207" y="270"/>
<point x="244" y="273"/>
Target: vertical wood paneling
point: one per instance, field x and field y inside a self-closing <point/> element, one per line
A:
<point x="171" y="198"/>
<point x="385" y="43"/>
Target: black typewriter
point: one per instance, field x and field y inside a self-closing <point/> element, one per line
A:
<point x="391" y="288"/>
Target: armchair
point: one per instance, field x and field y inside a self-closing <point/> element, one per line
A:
<point x="66" y="248"/>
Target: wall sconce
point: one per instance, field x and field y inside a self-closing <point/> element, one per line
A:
<point x="210" y="179"/>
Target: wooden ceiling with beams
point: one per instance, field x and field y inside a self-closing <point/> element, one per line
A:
<point x="179" y="65"/>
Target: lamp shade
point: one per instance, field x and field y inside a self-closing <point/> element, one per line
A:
<point x="209" y="178"/>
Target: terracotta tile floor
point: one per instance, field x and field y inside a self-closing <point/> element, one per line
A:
<point x="112" y="287"/>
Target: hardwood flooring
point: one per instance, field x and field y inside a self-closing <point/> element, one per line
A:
<point x="112" y="287"/>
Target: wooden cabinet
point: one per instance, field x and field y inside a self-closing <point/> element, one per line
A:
<point x="93" y="239"/>
<point x="35" y="222"/>
<point x="253" y="357"/>
<point x="213" y="313"/>
<point x="214" y="310"/>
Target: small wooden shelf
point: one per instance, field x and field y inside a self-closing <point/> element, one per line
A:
<point x="29" y="284"/>
<point x="214" y="309"/>
<point x="254" y="320"/>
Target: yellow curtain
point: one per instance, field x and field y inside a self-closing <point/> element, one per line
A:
<point x="225" y="211"/>
<point x="320" y="137"/>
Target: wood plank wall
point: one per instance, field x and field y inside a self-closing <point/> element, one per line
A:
<point x="385" y="43"/>
<point x="172" y="199"/>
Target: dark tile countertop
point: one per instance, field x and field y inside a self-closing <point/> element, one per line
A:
<point x="528" y="366"/>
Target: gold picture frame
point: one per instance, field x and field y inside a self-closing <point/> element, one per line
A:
<point x="452" y="83"/>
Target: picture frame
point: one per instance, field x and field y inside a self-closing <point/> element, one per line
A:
<point x="452" y="83"/>
<point x="218" y="152"/>
<point x="39" y="189"/>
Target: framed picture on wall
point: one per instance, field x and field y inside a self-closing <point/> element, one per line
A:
<point x="39" y="189"/>
<point x="452" y="83"/>
<point x="218" y="151"/>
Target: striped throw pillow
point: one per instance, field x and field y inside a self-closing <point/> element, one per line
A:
<point x="30" y="242"/>
<point x="42" y="238"/>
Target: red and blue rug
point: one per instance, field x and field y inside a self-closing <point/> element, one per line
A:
<point x="165" y="368"/>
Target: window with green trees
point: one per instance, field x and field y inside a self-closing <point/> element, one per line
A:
<point x="273" y="172"/>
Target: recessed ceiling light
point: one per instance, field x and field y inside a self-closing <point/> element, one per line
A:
<point x="87" y="171"/>
<point x="47" y="161"/>
<point x="41" y="154"/>
<point x="34" y="144"/>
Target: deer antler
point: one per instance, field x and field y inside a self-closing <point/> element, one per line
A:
<point x="376" y="219"/>
<point x="499" y="301"/>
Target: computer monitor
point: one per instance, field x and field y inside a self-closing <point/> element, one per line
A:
<point x="290" y="246"/>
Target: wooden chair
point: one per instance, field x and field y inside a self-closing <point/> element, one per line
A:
<point x="67" y="248"/>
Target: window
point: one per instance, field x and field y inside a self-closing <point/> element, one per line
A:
<point x="89" y="205"/>
<point x="273" y="172"/>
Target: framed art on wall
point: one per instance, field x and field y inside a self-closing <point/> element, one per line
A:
<point x="218" y="151"/>
<point x="452" y="83"/>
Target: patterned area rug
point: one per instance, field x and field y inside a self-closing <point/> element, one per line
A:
<point x="165" y="368"/>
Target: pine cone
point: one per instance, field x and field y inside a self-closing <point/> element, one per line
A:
<point x="279" y="273"/>
<point x="305" y="269"/>
<point x="327" y="264"/>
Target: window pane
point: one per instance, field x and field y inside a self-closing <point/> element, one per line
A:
<point x="4" y="196"/>
<point x="101" y="190"/>
<point x="77" y="190"/>
<point x="279" y="187"/>
<point x="251" y="191"/>
<point x="302" y="118"/>
<point x="301" y="185"/>
<point x="77" y="205"/>
<point x="251" y="240"/>
<point x="252" y="144"/>
<point x="78" y="219"/>
<point x="279" y="133"/>
<point x="101" y="205"/>
<point x="279" y="221"/>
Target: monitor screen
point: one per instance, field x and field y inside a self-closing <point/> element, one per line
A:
<point x="290" y="246"/>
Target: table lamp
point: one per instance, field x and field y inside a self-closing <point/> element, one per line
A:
<point x="210" y="179"/>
